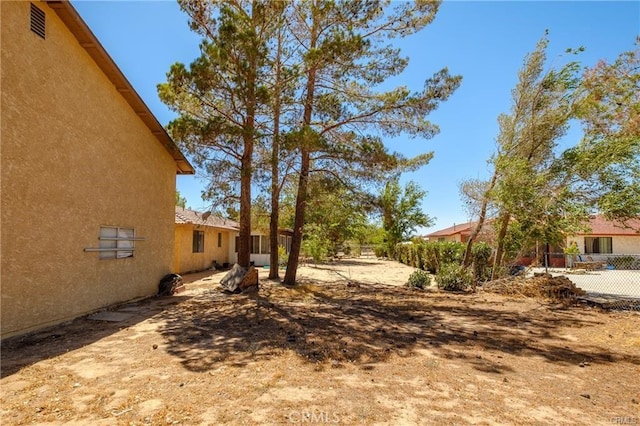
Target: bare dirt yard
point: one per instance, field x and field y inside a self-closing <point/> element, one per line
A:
<point x="348" y="345"/>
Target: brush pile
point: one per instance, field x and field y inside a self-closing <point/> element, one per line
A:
<point x="539" y="286"/>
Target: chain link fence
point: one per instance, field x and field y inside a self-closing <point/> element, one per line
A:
<point x="610" y="280"/>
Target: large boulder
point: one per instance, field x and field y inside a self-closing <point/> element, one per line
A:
<point x="240" y="280"/>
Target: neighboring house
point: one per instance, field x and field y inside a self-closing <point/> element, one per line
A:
<point x="606" y="237"/>
<point x="88" y="174"/>
<point x="202" y="239"/>
<point x="456" y="233"/>
<point x="460" y="233"/>
<point x="260" y="246"/>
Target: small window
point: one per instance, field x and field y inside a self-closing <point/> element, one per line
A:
<point x="265" y="245"/>
<point x="37" y="21"/>
<point x="285" y="241"/>
<point x="255" y="244"/>
<point x="116" y="243"/>
<point x="598" y="245"/>
<point x="219" y="239"/>
<point x="198" y="241"/>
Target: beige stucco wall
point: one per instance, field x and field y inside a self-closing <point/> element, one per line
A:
<point x="454" y="238"/>
<point x="622" y="244"/>
<point x="185" y="260"/>
<point x="74" y="157"/>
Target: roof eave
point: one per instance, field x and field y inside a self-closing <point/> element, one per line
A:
<point x="89" y="42"/>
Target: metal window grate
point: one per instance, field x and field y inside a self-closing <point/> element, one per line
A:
<point x="37" y="21"/>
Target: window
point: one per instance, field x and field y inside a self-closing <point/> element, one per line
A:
<point x="116" y="243"/>
<point x="598" y="245"/>
<point x="37" y="20"/>
<point x="255" y="244"/>
<point x="198" y="241"/>
<point x="285" y="241"/>
<point x="265" y="245"/>
<point x="258" y="244"/>
<point x="219" y="239"/>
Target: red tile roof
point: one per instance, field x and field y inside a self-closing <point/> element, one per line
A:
<point x="462" y="228"/>
<point x="601" y="226"/>
<point x="191" y="216"/>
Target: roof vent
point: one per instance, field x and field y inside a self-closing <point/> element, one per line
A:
<point x="37" y="20"/>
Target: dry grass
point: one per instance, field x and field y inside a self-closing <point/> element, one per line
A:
<point x="543" y="286"/>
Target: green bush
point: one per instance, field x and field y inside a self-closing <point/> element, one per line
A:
<point x="429" y="255"/>
<point x="451" y="252"/>
<point x="481" y="253"/>
<point x="316" y="247"/>
<point x="379" y="251"/>
<point x="283" y="257"/>
<point x="454" y="277"/>
<point x="419" y="279"/>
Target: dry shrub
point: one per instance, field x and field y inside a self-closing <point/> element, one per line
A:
<point x="539" y="286"/>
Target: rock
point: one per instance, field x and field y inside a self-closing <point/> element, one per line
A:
<point x="240" y="279"/>
<point x="585" y="395"/>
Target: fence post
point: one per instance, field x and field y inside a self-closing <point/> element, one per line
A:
<point x="546" y="258"/>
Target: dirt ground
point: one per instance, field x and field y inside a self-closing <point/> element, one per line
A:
<point x="349" y="345"/>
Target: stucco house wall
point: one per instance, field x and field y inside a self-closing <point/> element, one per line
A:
<point x="185" y="260"/>
<point x="75" y="157"/>
<point x="621" y="244"/>
<point x="447" y="238"/>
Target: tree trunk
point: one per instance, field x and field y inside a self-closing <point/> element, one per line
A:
<point x="274" y="261"/>
<point x="301" y="204"/>
<point x="246" y="170"/>
<point x="497" y="260"/>
<point x="305" y="165"/>
<point x="244" y="240"/>
<point x="481" y="220"/>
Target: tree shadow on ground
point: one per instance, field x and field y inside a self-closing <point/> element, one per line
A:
<point x="21" y="351"/>
<point x="344" y="262"/>
<point x="336" y="323"/>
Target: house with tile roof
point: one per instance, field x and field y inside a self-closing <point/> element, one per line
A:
<point x="88" y="174"/>
<point x="460" y="233"/>
<point x="456" y="233"/>
<point x="204" y="240"/>
<point x="603" y="238"/>
<point x="606" y="237"/>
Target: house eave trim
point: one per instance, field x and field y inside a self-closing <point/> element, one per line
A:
<point x="89" y="42"/>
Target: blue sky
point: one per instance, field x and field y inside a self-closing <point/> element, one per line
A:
<point x="483" y="41"/>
